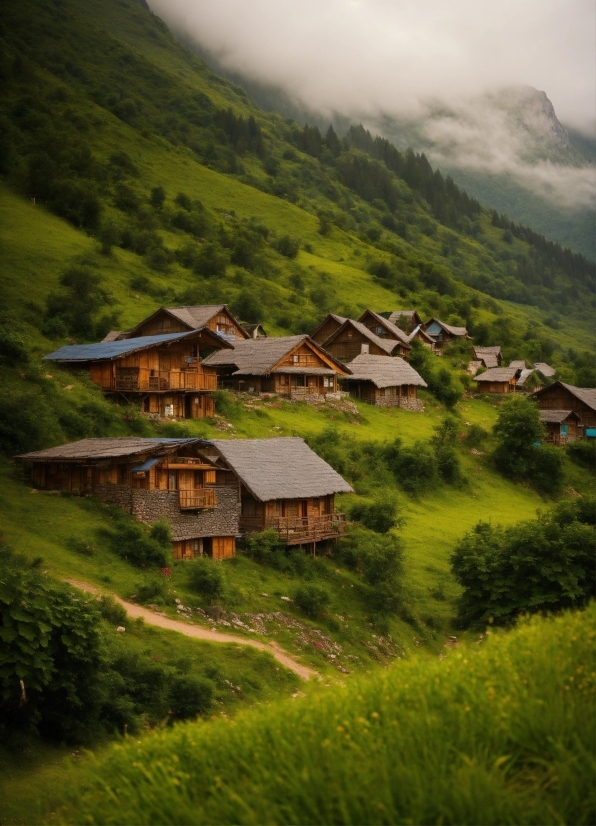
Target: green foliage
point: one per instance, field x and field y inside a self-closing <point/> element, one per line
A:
<point x="583" y="452"/>
<point x="379" y="515"/>
<point x="414" y="467"/>
<point x="267" y="548"/>
<point x="287" y="246"/>
<point x="211" y="260"/>
<point x="475" y="738"/>
<point x="518" y="454"/>
<point x="379" y="558"/>
<point x="134" y="543"/>
<point x="206" y="578"/>
<point x="440" y="379"/>
<point x="312" y="598"/>
<point x="111" y="610"/>
<point x="190" y="696"/>
<point x="542" y="565"/>
<point x="476" y="436"/>
<point x="76" y="310"/>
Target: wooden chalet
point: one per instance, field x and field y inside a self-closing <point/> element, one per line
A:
<point x="406" y="320"/>
<point x="489" y="356"/>
<point x="253" y="330"/>
<point x="562" y="426"/>
<point x="329" y="325"/>
<point x="580" y="400"/>
<point x="498" y="380"/>
<point x="164" y="373"/>
<point x="286" y="487"/>
<point x="353" y="339"/>
<point x="292" y="366"/>
<point x="215" y="317"/>
<point x="383" y="328"/>
<point x="386" y="382"/>
<point x="419" y="334"/>
<point x="442" y="333"/>
<point x="151" y="479"/>
<point x="545" y="369"/>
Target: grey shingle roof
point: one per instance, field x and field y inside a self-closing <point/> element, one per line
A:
<point x="193" y="316"/>
<point x="519" y="364"/>
<point x="386" y="344"/>
<point x="389" y="326"/>
<point x="115" y="335"/>
<point x="497" y="374"/>
<point x="488" y="355"/>
<point x="397" y="314"/>
<point x="104" y="448"/>
<point x="384" y="372"/>
<point x="544" y="368"/>
<point x="259" y="356"/>
<point x="282" y="468"/>
<point x="454" y="331"/>
<point x="586" y="394"/>
<point x="524" y="376"/>
<point x="556" y="416"/>
<point x="115" y="349"/>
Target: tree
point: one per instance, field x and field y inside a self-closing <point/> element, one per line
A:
<point x="312" y="598"/>
<point x="158" y="197"/>
<point x="75" y="310"/>
<point x="546" y="564"/>
<point x="206" y="577"/>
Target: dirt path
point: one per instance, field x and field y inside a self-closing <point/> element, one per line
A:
<point x="201" y="633"/>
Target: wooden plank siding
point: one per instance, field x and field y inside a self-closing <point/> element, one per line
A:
<point x="163" y="322"/>
<point x="297" y="521"/>
<point x="558" y="397"/>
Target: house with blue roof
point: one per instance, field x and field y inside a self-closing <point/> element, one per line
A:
<point x="163" y="373"/>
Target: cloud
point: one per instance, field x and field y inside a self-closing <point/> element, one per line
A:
<point x="366" y="56"/>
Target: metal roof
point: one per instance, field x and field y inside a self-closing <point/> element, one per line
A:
<point x="115" y="349"/>
<point x="280" y="468"/>
<point x="384" y="372"/>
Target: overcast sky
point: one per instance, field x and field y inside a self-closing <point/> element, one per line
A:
<point x="369" y="55"/>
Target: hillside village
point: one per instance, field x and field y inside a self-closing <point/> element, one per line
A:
<point x="210" y="492"/>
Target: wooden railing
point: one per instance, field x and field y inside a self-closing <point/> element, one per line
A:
<point x="294" y="530"/>
<point x="147" y="379"/>
<point x="193" y="499"/>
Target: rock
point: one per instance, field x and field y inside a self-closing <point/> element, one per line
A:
<point x="264" y="595"/>
<point x="286" y="599"/>
<point x="121" y="629"/>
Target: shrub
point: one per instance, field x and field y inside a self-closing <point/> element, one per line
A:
<point x="546" y="469"/>
<point x="157" y="197"/>
<point x="263" y="546"/>
<point x="211" y="260"/>
<point x="206" y="578"/>
<point x="190" y="696"/>
<point x="379" y="516"/>
<point x="287" y="246"/>
<point x="583" y="452"/>
<point x="379" y="558"/>
<point x="546" y="564"/>
<point x="130" y="541"/>
<point x="448" y="464"/>
<point x="476" y="435"/>
<point x="111" y="611"/>
<point x="415" y="468"/>
<point x="152" y="590"/>
<point x="312" y="598"/>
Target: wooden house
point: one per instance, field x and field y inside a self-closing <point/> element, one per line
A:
<point x="353" y="339"/>
<point x="497" y="380"/>
<point x="545" y="369"/>
<point x="562" y="426"/>
<point x="581" y="400"/>
<point x="253" y="330"/>
<point x="406" y="320"/>
<point x="151" y="479"/>
<point x="383" y="328"/>
<point x="165" y="374"/>
<point x="292" y="366"/>
<point x="489" y="356"/>
<point x="442" y="333"/>
<point x="286" y="487"/>
<point x="329" y="325"/>
<point x="419" y="334"/>
<point x="386" y="382"/>
<point x="215" y="317"/>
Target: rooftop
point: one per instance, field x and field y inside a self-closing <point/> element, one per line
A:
<point x="384" y="372"/>
<point x="94" y="449"/>
<point x="280" y="468"/>
<point x="556" y="416"/>
<point x="498" y="374"/>
<point x="260" y="356"/>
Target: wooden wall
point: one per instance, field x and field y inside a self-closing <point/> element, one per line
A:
<point x="557" y="397"/>
<point x="327" y="329"/>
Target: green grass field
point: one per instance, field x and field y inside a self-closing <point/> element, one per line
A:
<point x="496" y="733"/>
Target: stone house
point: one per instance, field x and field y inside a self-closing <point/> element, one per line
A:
<point x="386" y="382"/>
<point x="151" y="479"/>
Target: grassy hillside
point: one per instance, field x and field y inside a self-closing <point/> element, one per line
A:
<point x="501" y="733"/>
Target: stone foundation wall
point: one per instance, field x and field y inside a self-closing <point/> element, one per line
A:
<point x="223" y="520"/>
<point x="120" y="495"/>
<point x="400" y="401"/>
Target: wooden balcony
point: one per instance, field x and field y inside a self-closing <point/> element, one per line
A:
<point x="160" y="380"/>
<point x="196" y="499"/>
<point x="296" y="530"/>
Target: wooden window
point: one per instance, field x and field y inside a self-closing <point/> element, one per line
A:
<point x="122" y="474"/>
<point x="173" y="480"/>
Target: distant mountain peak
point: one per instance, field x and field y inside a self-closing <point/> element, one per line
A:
<point x="533" y="111"/>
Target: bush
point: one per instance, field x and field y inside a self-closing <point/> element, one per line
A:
<point x="153" y="591"/>
<point x="312" y="598"/>
<point x="546" y="564"/>
<point x="583" y="452"/>
<point x="130" y="541"/>
<point x="287" y="246"/>
<point x="211" y="260"/>
<point x="379" y="516"/>
<point x="379" y="558"/>
<point x="415" y="468"/>
<point x="190" y="696"/>
<point x="206" y="578"/>
<point x="111" y="611"/>
<point x="476" y="436"/>
<point x="546" y="469"/>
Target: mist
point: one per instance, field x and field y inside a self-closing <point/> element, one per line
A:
<point x="394" y="56"/>
<point x="438" y="64"/>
